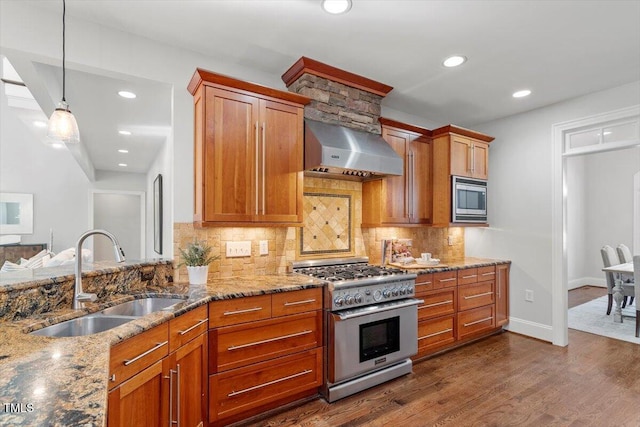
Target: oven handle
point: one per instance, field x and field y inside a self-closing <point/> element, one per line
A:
<point x="365" y="312"/>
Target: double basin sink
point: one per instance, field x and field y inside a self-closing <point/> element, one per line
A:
<point x="108" y="318"/>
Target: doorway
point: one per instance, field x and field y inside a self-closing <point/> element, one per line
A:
<point x="123" y="214"/>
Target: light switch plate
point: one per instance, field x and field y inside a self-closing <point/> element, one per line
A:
<point x="238" y="249"/>
<point x="264" y="247"/>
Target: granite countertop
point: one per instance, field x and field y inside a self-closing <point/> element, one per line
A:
<point x="468" y="262"/>
<point x="63" y="381"/>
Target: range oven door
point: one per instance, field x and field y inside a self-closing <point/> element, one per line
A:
<point x="369" y="338"/>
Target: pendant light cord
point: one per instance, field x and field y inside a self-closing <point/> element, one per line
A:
<point x="64" y="7"/>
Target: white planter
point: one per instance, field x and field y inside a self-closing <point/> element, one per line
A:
<point x="198" y="275"/>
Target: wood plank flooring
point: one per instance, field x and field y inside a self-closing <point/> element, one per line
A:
<point x="504" y="380"/>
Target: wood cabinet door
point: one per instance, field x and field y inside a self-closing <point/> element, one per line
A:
<point x="141" y="400"/>
<point x="280" y="163"/>
<point x="460" y="156"/>
<point x="502" y="294"/>
<point x="394" y="188"/>
<point x="480" y="158"/>
<point x="189" y="369"/>
<point x="230" y="142"/>
<point x="419" y="181"/>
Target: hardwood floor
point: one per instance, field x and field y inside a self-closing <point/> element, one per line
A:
<point x="584" y="294"/>
<point x="504" y="380"/>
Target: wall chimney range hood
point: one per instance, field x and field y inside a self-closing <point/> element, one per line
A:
<point x="333" y="151"/>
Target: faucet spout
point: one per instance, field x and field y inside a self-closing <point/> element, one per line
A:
<point x="79" y="296"/>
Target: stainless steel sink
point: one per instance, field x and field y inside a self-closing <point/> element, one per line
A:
<point x="85" y="325"/>
<point x="141" y="307"/>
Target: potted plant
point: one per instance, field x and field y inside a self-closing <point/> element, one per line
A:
<point x="197" y="258"/>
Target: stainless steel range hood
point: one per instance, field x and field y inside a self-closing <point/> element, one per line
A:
<point x="333" y="151"/>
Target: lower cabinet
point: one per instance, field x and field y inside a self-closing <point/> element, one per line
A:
<point x="159" y="377"/>
<point x="265" y="351"/>
<point x="460" y="306"/>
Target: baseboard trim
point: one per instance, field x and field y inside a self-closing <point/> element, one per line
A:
<point x="586" y="281"/>
<point x="531" y="329"/>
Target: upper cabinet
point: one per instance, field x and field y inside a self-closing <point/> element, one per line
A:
<point x="405" y="199"/>
<point x="456" y="152"/>
<point x="248" y="152"/>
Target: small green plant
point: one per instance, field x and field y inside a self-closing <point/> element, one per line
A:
<point x="197" y="254"/>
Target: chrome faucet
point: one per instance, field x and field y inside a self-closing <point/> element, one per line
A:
<point x="79" y="296"/>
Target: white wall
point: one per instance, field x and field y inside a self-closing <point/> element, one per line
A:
<point x="59" y="186"/>
<point x="577" y="213"/>
<point x="520" y="201"/>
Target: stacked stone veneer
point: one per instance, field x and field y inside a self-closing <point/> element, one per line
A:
<point x="336" y="103"/>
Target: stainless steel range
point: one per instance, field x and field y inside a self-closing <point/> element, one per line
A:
<point x="371" y="323"/>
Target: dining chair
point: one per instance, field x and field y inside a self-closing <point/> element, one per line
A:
<point x="636" y="275"/>
<point x="624" y="253"/>
<point x="609" y="258"/>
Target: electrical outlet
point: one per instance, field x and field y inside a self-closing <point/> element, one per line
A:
<point x="528" y="295"/>
<point x="238" y="249"/>
<point x="264" y="247"/>
<point x="450" y="240"/>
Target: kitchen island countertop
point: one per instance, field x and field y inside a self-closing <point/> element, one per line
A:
<point x="63" y="381"/>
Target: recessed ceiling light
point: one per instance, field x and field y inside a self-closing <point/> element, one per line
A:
<point x="607" y="132"/>
<point x="521" y="93"/>
<point x="127" y="94"/>
<point x="57" y="145"/>
<point x="454" y="61"/>
<point x="124" y="165"/>
<point x="124" y="132"/>
<point x="336" y="7"/>
<point x="123" y="151"/>
<point x="39" y="124"/>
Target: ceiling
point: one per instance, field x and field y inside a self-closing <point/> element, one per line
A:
<point x="557" y="49"/>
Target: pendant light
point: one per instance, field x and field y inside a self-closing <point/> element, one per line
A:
<point x="62" y="124"/>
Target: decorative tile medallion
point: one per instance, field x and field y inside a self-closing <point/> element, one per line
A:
<point x="327" y="224"/>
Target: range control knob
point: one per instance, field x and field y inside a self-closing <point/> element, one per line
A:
<point x="394" y="292"/>
<point x="410" y="289"/>
<point x="377" y="295"/>
<point x="348" y="299"/>
<point x="358" y="298"/>
<point x="403" y="290"/>
<point x="338" y="301"/>
<point x="386" y="293"/>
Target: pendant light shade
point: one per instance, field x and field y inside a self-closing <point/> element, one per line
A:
<point x="62" y="124"/>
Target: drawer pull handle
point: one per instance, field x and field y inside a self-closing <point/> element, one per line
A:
<point x="447" y="280"/>
<point x="306" y="301"/>
<point x="435" y="304"/>
<point x="279" y="380"/>
<point x="140" y="356"/>
<point x="470" y="276"/>
<point x="493" y="273"/>
<point x="283" y="337"/>
<point x="423" y="283"/>
<point x="186" y="331"/>
<point x="478" y="295"/>
<point x="478" y="321"/>
<point x="249" y="310"/>
<point x="435" y="333"/>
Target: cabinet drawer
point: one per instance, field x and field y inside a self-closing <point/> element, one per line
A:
<point x="435" y="333"/>
<point x="240" y="345"/>
<point x="424" y="283"/>
<point x="486" y="273"/>
<point x="136" y="353"/>
<point x="476" y="295"/>
<point x="296" y="302"/>
<point x="437" y="303"/>
<point x="476" y="321"/>
<point x="468" y="275"/>
<point x="445" y="279"/>
<point x="186" y="327"/>
<point x="239" y="310"/>
<point x="241" y="390"/>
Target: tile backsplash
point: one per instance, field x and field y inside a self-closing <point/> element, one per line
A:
<point x="286" y="244"/>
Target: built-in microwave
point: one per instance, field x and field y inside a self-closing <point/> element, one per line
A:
<point x="469" y="200"/>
